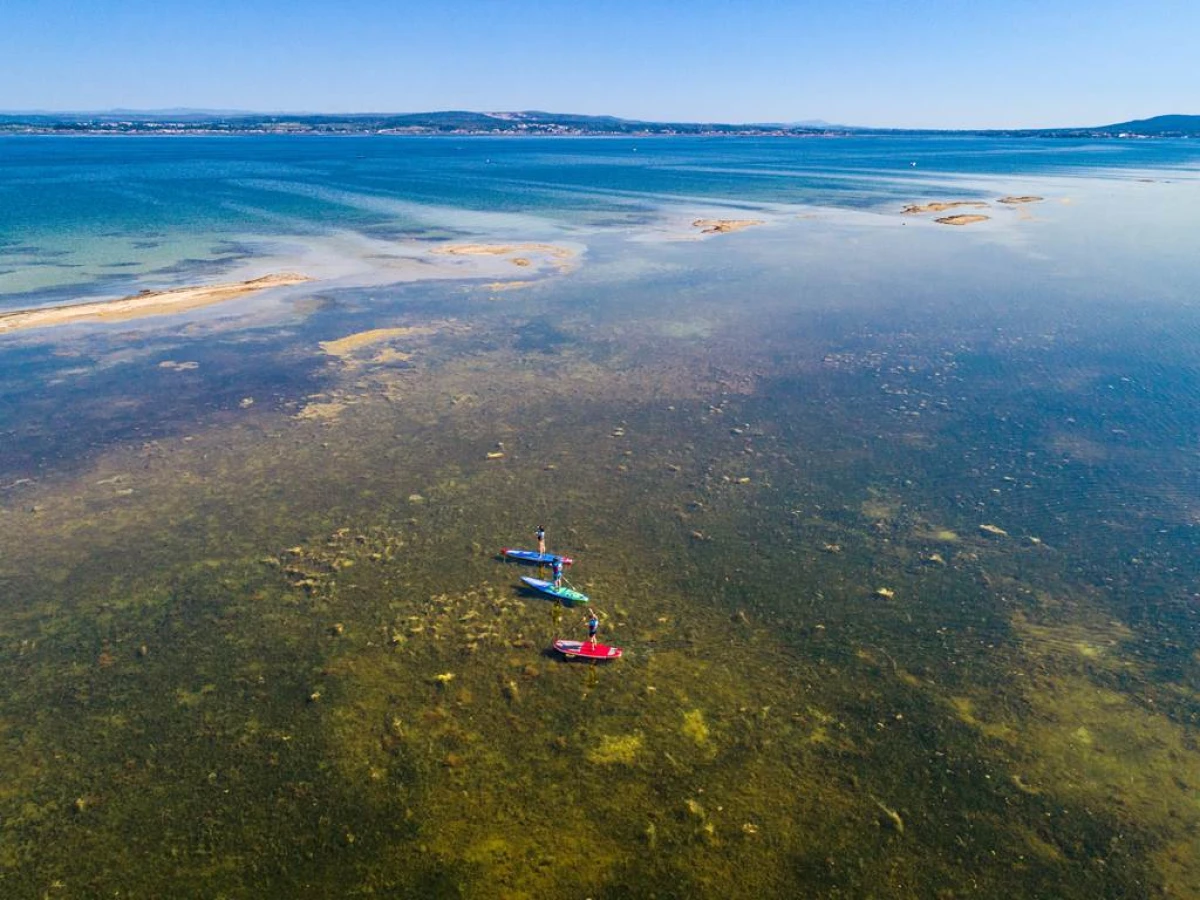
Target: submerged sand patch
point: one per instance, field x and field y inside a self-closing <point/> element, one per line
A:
<point x="346" y="347"/>
<point x="498" y="286"/>
<point x="1013" y="201"/>
<point x="147" y="303"/>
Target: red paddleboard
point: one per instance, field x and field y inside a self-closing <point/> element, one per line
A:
<point x="586" y="650"/>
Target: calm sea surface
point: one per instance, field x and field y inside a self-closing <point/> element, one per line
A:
<point x="896" y="520"/>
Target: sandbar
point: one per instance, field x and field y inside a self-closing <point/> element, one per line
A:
<point x="1012" y="201"/>
<point x="724" y="226"/>
<point x="961" y="220"/>
<point x="147" y="303"/>
<point x="941" y="206"/>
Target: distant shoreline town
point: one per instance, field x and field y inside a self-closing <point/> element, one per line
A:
<point x="199" y="122"/>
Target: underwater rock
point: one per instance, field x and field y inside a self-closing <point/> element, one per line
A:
<point x="442" y="680"/>
<point x="885" y="593"/>
<point x="993" y="530"/>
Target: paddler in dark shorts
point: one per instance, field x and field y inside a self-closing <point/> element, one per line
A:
<point x="541" y="539"/>
<point x="593" y="624"/>
<point x="558" y="567"/>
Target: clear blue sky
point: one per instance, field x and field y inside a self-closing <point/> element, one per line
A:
<point x="914" y="63"/>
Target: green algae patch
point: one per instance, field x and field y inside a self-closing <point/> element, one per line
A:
<point x="695" y="728"/>
<point x="967" y="713"/>
<point x="616" y="750"/>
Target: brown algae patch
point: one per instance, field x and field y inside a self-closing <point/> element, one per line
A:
<point x="147" y="303"/>
<point x="1013" y="201"/>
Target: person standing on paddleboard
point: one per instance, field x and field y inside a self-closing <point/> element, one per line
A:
<point x="593" y="624"/>
<point x="541" y="539"/>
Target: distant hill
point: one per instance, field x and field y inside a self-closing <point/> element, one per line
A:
<point x="527" y="122"/>
<point x="1161" y="126"/>
<point x="442" y="122"/>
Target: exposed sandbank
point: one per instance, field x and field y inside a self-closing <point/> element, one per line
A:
<point x="521" y="255"/>
<point x="941" y="206"/>
<point x="938" y="206"/>
<point x="724" y="226"/>
<point x="147" y="303"/>
<point x="961" y="219"/>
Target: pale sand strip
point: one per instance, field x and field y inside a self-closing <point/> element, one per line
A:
<point x="149" y="303"/>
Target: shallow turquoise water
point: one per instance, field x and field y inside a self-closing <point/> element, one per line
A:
<point x="95" y="214"/>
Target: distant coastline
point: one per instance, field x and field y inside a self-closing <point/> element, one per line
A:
<point x="466" y="124"/>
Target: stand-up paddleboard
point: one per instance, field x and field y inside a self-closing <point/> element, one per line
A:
<point x="586" y="650"/>
<point x="567" y="595"/>
<point x="532" y="556"/>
